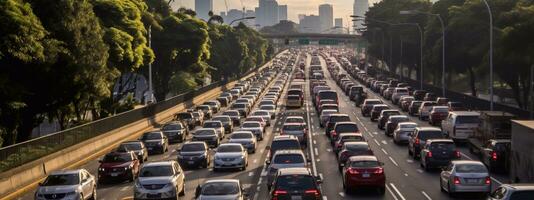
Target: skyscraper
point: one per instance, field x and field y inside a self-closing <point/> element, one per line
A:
<point x="310" y="24"/>
<point x="282" y="12"/>
<point x="267" y="13"/>
<point x="360" y="8"/>
<point x="326" y="17"/>
<point x="338" y="23"/>
<point x="202" y="8"/>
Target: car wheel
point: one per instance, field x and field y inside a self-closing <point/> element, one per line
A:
<point x="441" y="185"/>
<point x="182" y="193"/>
<point x="382" y="190"/>
<point x="93" y="196"/>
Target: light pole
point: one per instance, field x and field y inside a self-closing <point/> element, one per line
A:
<point x="411" y="12"/>
<point x="400" y="59"/>
<point x="150" y="91"/>
<point x="240" y="19"/>
<point x="490" y="52"/>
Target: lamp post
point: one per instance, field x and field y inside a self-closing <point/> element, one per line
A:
<point x="412" y="12"/>
<point x="150" y="91"/>
<point x="490" y="52"/>
<point x="240" y="19"/>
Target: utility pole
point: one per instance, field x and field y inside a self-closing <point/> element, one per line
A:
<point x="400" y="66"/>
<point x="151" y="92"/>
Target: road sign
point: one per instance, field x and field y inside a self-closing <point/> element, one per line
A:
<point x="304" y="41"/>
<point x="328" y="42"/>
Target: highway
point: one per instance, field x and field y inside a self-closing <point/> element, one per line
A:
<point x="405" y="178"/>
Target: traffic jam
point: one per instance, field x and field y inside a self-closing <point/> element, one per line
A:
<point x="311" y="125"/>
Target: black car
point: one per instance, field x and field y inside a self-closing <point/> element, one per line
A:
<point x="419" y="137"/>
<point x="496" y="153"/>
<point x="283" y="142"/>
<point x="376" y="109"/>
<point x="187" y="118"/>
<point x="438" y="153"/>
<point x="194" y="155"/>
<point x="419" y="95"/>
<point x="155" y="142"/>
<point x="175" y="131"/>
<point x="292" y="183"/>
<point x="333" y="119"/>
<point x="208" y="135"/>
<point x="384" y="116"/>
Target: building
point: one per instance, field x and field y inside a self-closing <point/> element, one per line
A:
<point x="250" y="22"/>
<point x="338" y="24"/>
<point x="202" y="8"/>
<point x="282" y="12"/>
<point x="310" y="24"/>
<point x="232" y="15"/>
<point x="301" y="16"/>
<point x="326" y="17"/>
<point x="360" y="8"/>
<point x="267" y="13"/>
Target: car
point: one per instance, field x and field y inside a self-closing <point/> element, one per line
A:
<point x="332" y="120"/>
<point x="194" y="154"/>
<point x="296" y="129"/>
<point x="118" y="166"/>
<point x="376" y="110"/>
<point x="368" y="105"/>
<point x="198" y="117"/>
<point x="67" y="184"/>
<point x="241" y="107"/>
<point x="294" y="101"/>
<point x="226" y="121"/>
<point x="384" y="116"/>
<point x="456" y="106"/>
<point x="295" y="119"/>
<point x="363" y="172"/>
<point x="175" y="131"/>
<point x="403" y="131"/>
<point x="269" y="108"/>
<point x="430" y="97"/>
<point x="325" y="114"/>
<point x="495" y="154"/>
<point x="413" y="108"/>
<point x="295" y="183"/>
<point x="259" y="119"/>
<point x="263" y="114"/>
<point x="214" y="104"/>
<point x="254" y="127"/>
<point x="206" y="109"/>
<point x="392" y="123"/>
<point x="398" y="93"/>
<point x="284" y="159"/>
<point x="424" y="110"/>
<point x="352" y="149"/>
<point x="460" y="125"/>
<point x="437" y="153"/>
<point x="442" y="101"/>
<point x="419" y="95"/>
<point x="160" y="180"/>
<point x="245" y="138"/>
<point x="155" y="142"/>
<point x="208" y="135"/>
<point x="217" y="125"/>
<point x="227" y="95"/>
<point x="419" y="137"/>
<point x="230" y="156"/>
<point x="187" y="118"/>
<point x="343" y="127"/>
<point x="513" y="191"/>
<point x="347" y="137"/>
<point x="137" y="147"/>
<point x="405" y="102"/>
<point x="234" y="115"/>
<point x="224" y="101"/>
<point x="437" y="114"/>
<point x="327" y="94"/>
<point x="221" y="189"/>
<point x="465" y="176"/>
<point x="282" y="142"/>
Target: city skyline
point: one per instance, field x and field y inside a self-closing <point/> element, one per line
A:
<point x="295" y="7"/>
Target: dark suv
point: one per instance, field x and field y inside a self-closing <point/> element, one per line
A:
<point x="496" y="153"/>
<point x="187" y="118"/>
<point x="292" y="183"/>
<point x="175" y="131"/>
<point x="419" y="137"/>
<point x="155" y="142"/>
<point x="283" y="142"/>
<point x="333" y="119"/>
<point x="438" y="153"/>
<point x="194" y="155"/>
<point x="384" y="116"/>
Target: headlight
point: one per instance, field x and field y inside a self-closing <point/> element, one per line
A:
<point x="138" y="185"/>
<point x="101" y="169"/>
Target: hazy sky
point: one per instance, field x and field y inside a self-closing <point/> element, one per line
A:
<point x="342" y="8"/>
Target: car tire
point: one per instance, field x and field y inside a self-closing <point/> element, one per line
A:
<point x="382" y="190"/>
<point x="182" y="193"/>
<point x="441" y="186"/>
<point x="93" y="196"/>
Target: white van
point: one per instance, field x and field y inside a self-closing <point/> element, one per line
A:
<point x="460" y="125"/>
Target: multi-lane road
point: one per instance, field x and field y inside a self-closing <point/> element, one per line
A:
<point x="405" y="178"/>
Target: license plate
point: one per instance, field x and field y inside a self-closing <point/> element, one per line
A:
<point x="366" y="175"/>
<point x="149" y="148"/>
<point x="114" y="174"/>
<point x="296" y="198"/>
<point x="190" y="162"/>
<point x="153" y="195"/>
<point x="472" y="180"/>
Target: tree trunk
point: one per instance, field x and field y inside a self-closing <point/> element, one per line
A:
<point x="28" y="122"/>
<point x="472" y="82"/>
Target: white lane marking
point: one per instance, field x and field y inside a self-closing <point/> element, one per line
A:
<point x="342" y="194"/>
<point x="385" y="152"/>
<point x="391" y="192"/>
<point x="371" y="135"/>
<point x="329" y="150"/>
<point x="384" y="142"/>
<point x="393" y="161"/>
<point x="376" y="133"/>
<point x="259" y="181"/>
<point x="426" y="195"/>
<point x="376" y="141"/>
<point x="420" y="171"/>
<point x="409" y="161"/>
<point x="311" y="143"/>
<point x="397" y="191"/>
<point x="251" y="174"/>
<point x="314" y="142"/>
<point x="492" y="178"/>
<point x="261" y="150"/>
<point x="405" y="174"/>
<point x="366" y="130"/>
<point x="316" y="151"/>
<point x="325" y="198"/>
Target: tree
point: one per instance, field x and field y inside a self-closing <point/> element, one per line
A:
<point x="215" y="18"/>
<point x="228" y="52"/>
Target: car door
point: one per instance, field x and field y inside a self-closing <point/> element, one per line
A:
<point x="86" y="184"/>
<point x="179" y="176"/>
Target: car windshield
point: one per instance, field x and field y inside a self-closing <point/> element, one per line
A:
<point x="229" y="148"/>
<point x="171" y="127"/>
<point x="212" y="124"/>
<point x="294" y="92"/>
<point x="62" y="179"/>
<point x="522" y="195"/>
<point x="288" y="159"/>
<point x="426" y="135"/>
<point x="365" y="164"/>
<point x="241" y="136"/>
<point x="356" y="147"/>
<point x="267" y="107"/>
<point x="204" y="132"/>
<point x="470" y="168"/>
<point x="130" y="147"/>
<point x="193" y="147"/>
<point x="112" y="158"/>
<point x="293" y="97"/>
<point x="343" y="128"/>
<point x="152" y="136"/>
<point x="220" y="188"/>
<point x="294" y="120"/>
<point x="467" y="120"/>
<point x="231" y="113"/>
<point x="400" y="119"/>
<point x="334" y="119"/>
<point x="295" y="182"/>
<point x="251" y="125"/>
<point x="222" y="119"/>
<point x="442" y="146"/>
<point x="153" y="171"/>
<point x="351" y="138"/>
<point x="184" y="116"/>
<point x="293" y="127"/>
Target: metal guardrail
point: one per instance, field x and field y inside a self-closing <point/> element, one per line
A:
<point x="21" y="153"/>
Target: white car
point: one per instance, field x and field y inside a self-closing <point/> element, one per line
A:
<point x="263" y="114"/>
<point x="269" y="108"/>
<point x="221" y="189"/>
<point x="69" y="184"/>
<point x="403" y="131"/>
<point x="245" y="138"/>
<point x="254" y="127"/>
<point x="465" y="176"/>
<point x="160" y="180"/>
<point x="230" y="156"/>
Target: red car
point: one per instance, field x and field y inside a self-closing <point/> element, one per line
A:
<point x="437" y="114"/>
<point x="364" y="172"/>
<point x="118" y="166"/>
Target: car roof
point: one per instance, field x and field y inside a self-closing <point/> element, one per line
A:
<point x="350" y="134"/>
<point x="345" y="123"/>
<point x="428" y="128"/>
<point x="465" y="113"/>
<point x="193" y="142"/>
<point x="289" y="151"/>
<point x="294" y="171"/>
<point x="230" y="144"/>
<point x="70" y="171"/>
<point x="363" y="158"/>
<point x="461" y="162"/>
<point x="444" y="107"/>
<point x="406" y="123"/>
<point x="380" y="105"/>
<point x="132" y="141"/>
<point x="398" y="116"/>
<point x="159" y="163"/>
<point x="439" y="140"/>
<point x="222" y="181"/>
<point x="292" y="124"/>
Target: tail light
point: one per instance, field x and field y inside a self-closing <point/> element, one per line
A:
<point x="494" y="155"/>
<point x="417" y="141"/>
<point x="279" y="192"/>
<point x="429" y="154"/>
<point x="458" y="154"/>
<point x="456" y="180"/>
<point x="315" y="192"/>
<point x="379" y="171"/>
<point x="353" y="171"/>
<point x="488" y="180"/>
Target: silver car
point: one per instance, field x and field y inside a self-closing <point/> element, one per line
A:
<point x="220" y="189"/>
<point x="160" y="180"/>
<point x="245" y="138"/>
<point x="269" y="108"/>
<point x="230" y="156"/>
<point x="254" y="127"/>
<point x="465" y="176"/>
<point x="217" y="125"/>
<point x="70" y="184"/>
<point x="284" y="159"/>
<point x="325" y="114"/>
<point x="263" y="114"/>
<point x="402" y="133"/>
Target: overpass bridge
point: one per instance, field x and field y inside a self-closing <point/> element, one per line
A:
<point x="315" y="39"/>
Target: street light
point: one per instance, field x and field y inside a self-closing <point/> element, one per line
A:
<point x="241" y="19"/>
<point x="413" y="12"/>
<point x="490" y="52"/>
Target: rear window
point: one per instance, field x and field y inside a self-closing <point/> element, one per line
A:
<point x="372" y="102"/>
<point x="285" y="144"/>
<point x="522" y="195"/>
<point x="288" y="159"/>
<point x="295" y="182"/>
<point x="343" y="128"/>
<point x="293" y="97"/>
<point x="293" y="127"/>
<point x="328" y="95"/>
<point x="339" y="119"/>
<point x="426" y="135"/>
<point x="231" y="113"/>
<point x="467" y="120"/>
<point x="402" y="91"/>
<point x="356" y="147"/>
<point x="184" y="116"/>
<point x="442" y="146"/>
<point x="469" y="168"/>
<point x="364" y="164"/>
<point x="294" y="92"/>
<point x="441" y="110"/>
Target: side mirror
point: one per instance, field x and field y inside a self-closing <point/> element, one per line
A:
<point x="267" y="162"/>
<point x="319" y="179"/>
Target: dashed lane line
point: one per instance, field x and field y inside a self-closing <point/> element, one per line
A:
<point x="316" y="151"/>
<point x="391" y="192"/>
<point x="426" y="195"/>
<point x="385" y="152"/>
<point x="376" y="141"/>
<point x="397" y="191"/>
<point x="393" y="161"/>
